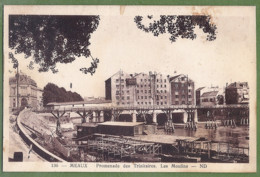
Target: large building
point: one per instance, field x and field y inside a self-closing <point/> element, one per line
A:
<point x="27" y="95"/>
<point x="210" y="96"/>
<point x="120" y="89"/>
<point x="148" y="89"/>
<point x="182" y="90"/>
<point x="237" y="93"/>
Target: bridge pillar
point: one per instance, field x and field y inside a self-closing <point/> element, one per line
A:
<point x="195" y="115"/>
<point x="185" y="117"/>
<point x="101" y="116"/>
<point x="154" y="117"/>
<point x="134" y="117"/>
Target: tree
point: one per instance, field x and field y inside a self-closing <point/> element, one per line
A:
<point x="50" y="39"/>
<point x="178" y="26"/>
<point x="53" y="93"/>
<point x="220" y="99"/>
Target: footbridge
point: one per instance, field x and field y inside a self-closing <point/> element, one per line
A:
<point x="148" y="114"/>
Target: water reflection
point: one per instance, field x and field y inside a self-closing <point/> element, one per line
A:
<point x="235" y="135"/>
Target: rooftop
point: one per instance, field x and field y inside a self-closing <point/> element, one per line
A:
<point x="126" y="124"/>
<point x="208" y="94"/>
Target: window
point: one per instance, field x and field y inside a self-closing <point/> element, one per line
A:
<point x="123" y="103"/>
<point x="141" y="85"/>
<point x="145" y="102"/>
<point x="149" y="91"/>
<point x="149" y="103"/>
<point x="161" y="91"/>
<point x="123" y="98"/>
<point x="182" y="85"/>
<point x="165" y="102"/>
<point x="189" y="102"/>
<point x="117" y="80"/>
<point x="176" y="96"/>
<point x="183" y="91"/>
<point x="189" y="96"/>
<point x="157" y="86"/>
<point x="122" y="80"/>
<point x="165" y="97"/>
<point x="165" y="86"/>
<point x="128" y="97"/>
<point x="145" y="91"/>
<point x="145" y="97"/>
<point x="189" y="90"/>
<point x="138" y="97"/>
<point x="164" y="80"/>
<point x="117" y="103"/>
<point x="161" y="103"/>
<point x="141" y="80"/>
<point x="142" y="91"/>
<point x="176" y="85"/>
<point x="127" y="91"/>
<point x="176" y="102"/>
<point x="145" y="80"/>
<point x="122" y="92"/>
<point x="157" y="91"/>
<point x="183" y="96"/>
<point x="144" y="85"/>
<point x="149" y="80"/>
<point x="137" y="91"/>
<point x="117" y="97"/>
<point x="142" y="97"/>
<point x="141" y="102"/>
<point x="157" y="103"/>
<point x="122" y="86"/>
<point x="13" y="91"/>
<point x="161" y="97"/>
<point x="157" y="80"/>
<point x="165" y="91"/>
<point x="117" y="92"/>
<point x="137" y="102"/>
<point x="183" y="102"/>
<point x="137" y="85"/>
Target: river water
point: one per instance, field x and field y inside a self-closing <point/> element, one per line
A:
<point x="236" y="135"/>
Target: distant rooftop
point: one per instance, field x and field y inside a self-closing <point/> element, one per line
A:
<point x="238" y="85"/>
<point x="207" y="94"/>
<point x="126" y="124"/>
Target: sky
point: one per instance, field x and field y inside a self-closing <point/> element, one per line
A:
<point x="119" y="44"/>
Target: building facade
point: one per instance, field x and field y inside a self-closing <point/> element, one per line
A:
<point x="149" y="89"/>
<point x="120" y="89"/>
<point x="27" y="94"/>
<point x="237" y="93"/>
<point x="182" y="90"/>
<point x="210" y="96"/>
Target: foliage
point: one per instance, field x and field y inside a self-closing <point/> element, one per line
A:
<point x="220" y="99"/>
<point x="50" y="39"/>
<point x="53" y="93"/>
<point x="178" y="26"/>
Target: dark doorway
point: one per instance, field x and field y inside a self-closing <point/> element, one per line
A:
<point x="161" y="119"/>
<point x="178" y="118"/>
<point x="24" y="103"/>
<point x="125" y="118"/>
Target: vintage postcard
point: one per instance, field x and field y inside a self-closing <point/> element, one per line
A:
<point x="129" y="89"/>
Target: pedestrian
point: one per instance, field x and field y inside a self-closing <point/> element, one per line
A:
<point x="30" y="149"/>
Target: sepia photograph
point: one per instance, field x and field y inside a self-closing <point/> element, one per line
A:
<point x="129" y="88"/>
